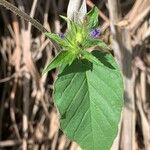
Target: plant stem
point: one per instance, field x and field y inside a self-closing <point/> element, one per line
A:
<point x="23" y="15"/>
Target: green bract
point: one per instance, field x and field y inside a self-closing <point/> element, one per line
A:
<point x="76" y="40"/>
<point x="88" y="92"/>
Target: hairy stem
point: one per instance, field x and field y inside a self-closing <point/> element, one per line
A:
<point x="23" y="15"/>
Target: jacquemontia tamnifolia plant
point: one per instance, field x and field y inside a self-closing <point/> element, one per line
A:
<point x="88" y="92"/>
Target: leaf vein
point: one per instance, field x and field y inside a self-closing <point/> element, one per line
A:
<point x="75" y="112"/>
<point x="107" y="85"/>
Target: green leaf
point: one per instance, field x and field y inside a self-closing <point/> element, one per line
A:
<point x="90" y="57"/>
<point x="74" y="28"/>
<point x="95" y="42"/>
<point x="56" y="38"/>
<point x="89" y="98"/>
<point x="92" y="17"/>
<point x="65" y="18"/>
<point x="70" y="23"/>
<point x="102" y="44"/>
<point x="63" y="57"/>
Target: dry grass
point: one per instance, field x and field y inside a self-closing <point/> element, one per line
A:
<point x="28" y="118"/>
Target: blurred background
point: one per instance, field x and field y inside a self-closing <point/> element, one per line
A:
<point x="28" y="118"/>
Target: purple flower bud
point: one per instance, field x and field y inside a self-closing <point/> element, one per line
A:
<point x="95" y="33"/>
<point x="61" y="35"/>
